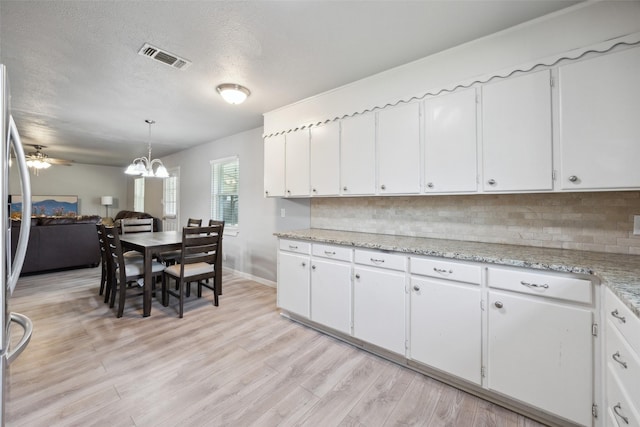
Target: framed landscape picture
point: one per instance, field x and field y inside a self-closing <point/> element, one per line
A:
<point x="46" y="206"/>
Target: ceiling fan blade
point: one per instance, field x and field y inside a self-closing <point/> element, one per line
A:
<point x="61" y="162"/>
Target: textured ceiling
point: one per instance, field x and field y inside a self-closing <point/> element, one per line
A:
<point x="79" y="87"/>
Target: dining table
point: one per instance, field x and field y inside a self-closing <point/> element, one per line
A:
<point x="150" y="244"/>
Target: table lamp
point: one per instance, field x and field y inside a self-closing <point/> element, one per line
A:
<point x="106" y="201"/>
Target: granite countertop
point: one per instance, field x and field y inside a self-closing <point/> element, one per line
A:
<point x="621" y="273"/>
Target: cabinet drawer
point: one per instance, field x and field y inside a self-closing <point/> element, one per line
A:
<point x="622" y="360"/>
<point x="447" y="270"/>
<point x="623" y="319"/>
<point x="340" y="253"/>
<point x="380" y="259"/>
<point x="295" y="246"/>
<point x="619" y="403"/>
<point x="548" y="285"/>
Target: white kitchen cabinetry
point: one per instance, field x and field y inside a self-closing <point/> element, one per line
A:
<point x="358" y="155"/>
<point x="622" y="356"/>
<point x="516" y="134"/>
<point x="540" y="349"/>
<point x="599" y="122"/>
<point x="325" y="159"/>
<point x="446" y="318"/>
<point x="331" y="286"/>
<point x="399" y="149"/>
<point x="379" y="299"/>
<point x="294" y="277"/>
<point x="274" y="147"/>
<point x="297" y="163"/>
<point x="450" y="154"/>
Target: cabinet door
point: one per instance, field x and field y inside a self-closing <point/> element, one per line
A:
<point x="297" y="163"/>
<point x="379" y="308"/>
<point x="450" y="143"/>
<point x="274" y="166"/>
<point x="331" y="294"/>
<point x="446" y="330"/>
<point x="516" y="134"/>
<point x="325" y="160"/>
<point x="293" y="283"/>
<point x="600" y="122"/>
<point x="541" y="352"/>
<point x="399" y="149"/>
<point x="358" y="155"/>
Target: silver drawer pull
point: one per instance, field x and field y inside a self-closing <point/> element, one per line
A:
<point x="293" y="247"/>
<point x="616" y="409"/>
<point x="329" y="253"/>
<point x="615" y="314"/>
<point x="533" y="285"/>
<point x="357" y="276"/>
<point x="304" y="264"/>
<point x="616" y="357"/>
<point x="416" y="288"/>
<point x="376" y="260"/>
<point x="442" y="270"/>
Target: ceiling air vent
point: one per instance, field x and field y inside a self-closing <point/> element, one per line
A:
<point x="164" y="57"/>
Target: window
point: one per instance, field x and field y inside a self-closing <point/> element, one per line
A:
<point x="224" y="190"/>
<point x="138" y="195"/>
<point x="170" y="196"/>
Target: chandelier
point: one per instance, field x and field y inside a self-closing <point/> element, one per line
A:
<point x="143" y="166"/>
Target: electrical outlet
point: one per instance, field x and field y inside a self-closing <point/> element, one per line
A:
<point x="282" y="213"/>
<point x="636" y="225"/>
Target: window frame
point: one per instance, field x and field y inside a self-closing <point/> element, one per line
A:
<point x="217" y="163"/>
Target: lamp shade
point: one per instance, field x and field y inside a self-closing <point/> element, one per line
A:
<point x="233" y="93"/>
<point x="106" y="200"/>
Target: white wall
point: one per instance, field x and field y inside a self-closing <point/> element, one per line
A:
<point x="253" y="251"/>
<point x="88" y="182"/>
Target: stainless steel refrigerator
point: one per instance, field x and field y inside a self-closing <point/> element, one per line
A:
<point x="10" y="266"/>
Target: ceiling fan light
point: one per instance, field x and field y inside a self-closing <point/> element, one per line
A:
<point x="233" y="93"/>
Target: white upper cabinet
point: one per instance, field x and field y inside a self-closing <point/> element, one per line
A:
<point x="450" y="143"/>
<point x="516" y="134"/>
<point x="600" y="122"/>
<point x="297" y="163"/>
<point x="325" y="159"/>
<point x="358" y="155"/>
<point x="274" y="166"/>
<point x="399" y="149"/>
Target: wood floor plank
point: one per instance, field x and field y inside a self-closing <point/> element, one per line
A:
<point x="238" y="364"/>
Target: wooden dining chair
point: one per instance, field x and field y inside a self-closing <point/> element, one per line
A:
<point x="136" y="225"/>
<point x="105" y="284"/>
<point x="192" y="222"/>
<point x="198" y="258"/>
<point x="124" y="271"/>
<point x="172" y="257"/>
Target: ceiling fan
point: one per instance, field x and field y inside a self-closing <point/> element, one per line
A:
<point x="37" y="160"/>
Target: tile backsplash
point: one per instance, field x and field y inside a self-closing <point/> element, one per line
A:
<point x="601" y="222"/>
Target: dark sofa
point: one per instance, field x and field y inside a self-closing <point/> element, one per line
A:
<point x="59" y="243"/>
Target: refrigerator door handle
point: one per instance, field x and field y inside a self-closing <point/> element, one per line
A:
<point x="27" y="325"/>
<point x="25" y="185"/>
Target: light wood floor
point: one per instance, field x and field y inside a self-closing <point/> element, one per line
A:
<point x="239" y="364"/>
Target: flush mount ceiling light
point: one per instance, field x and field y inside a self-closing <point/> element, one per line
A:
<point x="143" y="166"/>
<point x="233" y="93"/>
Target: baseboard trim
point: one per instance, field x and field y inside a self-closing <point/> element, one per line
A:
<point x="248" y="276"/>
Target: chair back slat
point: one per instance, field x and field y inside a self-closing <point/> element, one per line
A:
<point x="136" y="225"/>
<point x="199" y="244"/>
<point x="193" y="222"/>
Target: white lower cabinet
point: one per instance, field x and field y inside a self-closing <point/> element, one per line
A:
<point x="541" y="352"/>
<point x="446" y="327"/>
<point x="331" y="293"/>
<point x="379" y="307"/>
<point x="294" y="277"/>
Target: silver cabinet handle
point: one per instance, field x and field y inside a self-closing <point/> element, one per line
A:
<point x="430" y="184"/>
<point x="288" y="191"/>
<point x="376" y="260"/>
<point x="313" y="267"/>
<point x="314" y="190"/>
<point x="616" y="356"/>
<point x="383" y="187"/>
<point x="491" y="182"/>
<point x="304" y="264"/>
<point x="357" y="276"/>
<point x="266" y="193"/>
<point x="573" y="178"/>
<point x="329" y="253"/>
<point x="498" y="304"/>
<point x="616" y="410"/>
<point x="442" y="270"/>
<point x="416" y="288"/>
<point x="344" y="188"/>
<point x="615" y="314"/>
<point x="533" y="285"/>
<point x="293" y="247"/>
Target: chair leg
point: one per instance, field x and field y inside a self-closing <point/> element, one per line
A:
<point x="103" y="279"/>
<point x="122" y="297"/>
<point x="113" y="290"/>
<point x="164" y="291"/>
<point x="182" y="297"/>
